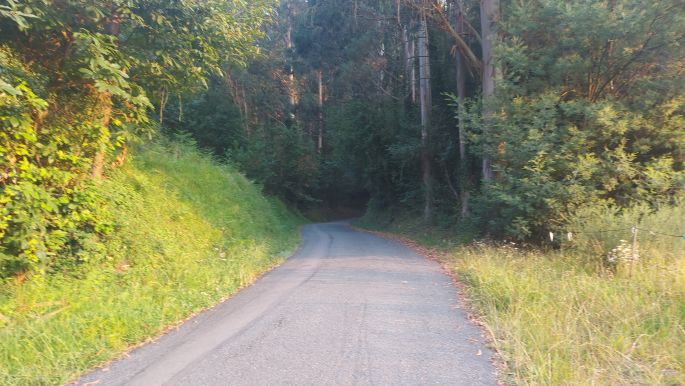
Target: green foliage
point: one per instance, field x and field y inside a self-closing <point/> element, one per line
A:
<point x="598" y="229"/>
<point x="580" y="120"/>
<point x="76" y="80"/>
<point x="48" y="212"/>
<point x="372" y="150"/>
<point x="282" y="159"/>
<point x="279" y="156"/>
<point x="211" y="118"/>
<point x="549" y="164"/>
<point x="187" y="233"/>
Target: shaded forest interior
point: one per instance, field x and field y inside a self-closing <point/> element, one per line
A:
<point x="508" y="116"/>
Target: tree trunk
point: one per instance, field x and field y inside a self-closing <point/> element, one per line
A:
<point x="461" y="97"/>
<point x="163" y="99"/>
<point x="104" y="107"/>
<point x="246" y="109"/>
<point x="293" y="96"/>
<point x="426" y="107"/>
<point x="409" y="65"/>
<point x="319" y="142"/>
<point x="412" y="80"/>
<point x="104" y="101"/>
<point x="489" y="10"/>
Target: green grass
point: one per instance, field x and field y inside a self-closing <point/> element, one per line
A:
<point x="557" y="323"/>
<point x="189" y="232"/>
<point x="562" y="317"/>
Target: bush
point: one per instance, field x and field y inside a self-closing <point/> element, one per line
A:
<point x="597" y="230"/>
<point x="187" y="233"/>
<point x="49" y="214"/>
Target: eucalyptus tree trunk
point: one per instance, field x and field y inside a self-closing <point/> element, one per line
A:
<point x="489" y="13"/>
<point x="319" y="142"/>
<point x="409" y="62"/>
<point x="461" y="97"/>
<point x="426" y="107"/>
<point x="293" y="95"/>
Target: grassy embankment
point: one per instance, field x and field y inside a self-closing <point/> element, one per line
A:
<point x="562" y="317"/>
<point x="189" y="232"/>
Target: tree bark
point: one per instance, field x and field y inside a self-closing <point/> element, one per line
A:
<point x="163" y="99"/>
<point x="103" y="106"/>
<point x="319" y="142"/>
<point x="104" y="101"/>
<point x="489" y="10"/>
<point x="246" y="110"/>
<point x="409" y="63"/>
<point x="461" y="97"/>
<point x="426" y="107"/>
<point x="412" y="80"/>
<point x="293" y="97"/>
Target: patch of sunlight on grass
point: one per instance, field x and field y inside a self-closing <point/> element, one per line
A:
<point x="189" y="232"/>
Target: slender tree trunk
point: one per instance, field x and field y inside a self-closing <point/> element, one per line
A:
<point x="163" y="99"/>
<point x="489" y="10"/>
<point x="246" y="112"/>
<point x="409" y="63"/>
<point x="104" y="108"/>
<point x="381" y="75"/>
<point x="610" y="45"/>
<point x="104" y="101"/>
<point x="239" y="95"/>
<point x="461" y="96"/>
<point x="319" y="142"/>
<point x="293" y="97"/>
<point x="426" y="107"/>
<point x="412" y="50"/>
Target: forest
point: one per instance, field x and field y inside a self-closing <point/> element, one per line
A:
<point x="544" y="124"/>
<point x="507" y="116"/>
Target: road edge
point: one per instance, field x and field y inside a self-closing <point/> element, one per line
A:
<point x="176" y="325"/>
<point x="472" y="314"/>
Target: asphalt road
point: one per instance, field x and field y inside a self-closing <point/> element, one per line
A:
<point x="349" y="308"/>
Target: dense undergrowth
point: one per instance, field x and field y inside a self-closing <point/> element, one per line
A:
<point x="187" y="233"/>
<point x="567" y="315"/>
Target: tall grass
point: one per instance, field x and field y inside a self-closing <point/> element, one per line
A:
<point x="566" y="317"/>
<point x="188" y="233"/>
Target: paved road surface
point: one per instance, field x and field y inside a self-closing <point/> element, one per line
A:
<point x="348" y="308"/>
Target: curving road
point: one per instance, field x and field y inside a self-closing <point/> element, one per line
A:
<point x="348" y="308"/>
